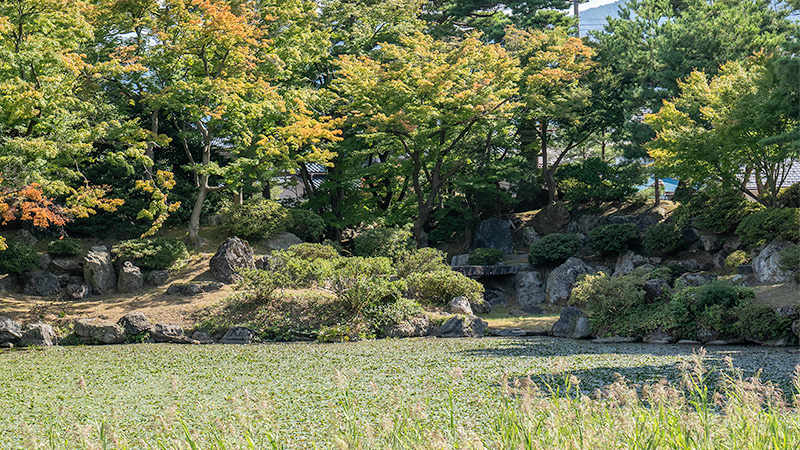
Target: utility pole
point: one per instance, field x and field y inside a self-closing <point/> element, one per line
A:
<point x="577" y="18"/>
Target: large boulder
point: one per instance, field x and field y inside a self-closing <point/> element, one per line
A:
<point x="562" y="279"/>
<point x="529" y="291"/>
<point x="169" y="333"/>
<point x="38" y="334"/>
<point x="495" y="233"/>
<point x="158" y="277"/>
<point x="766" y="266"/>
<point x="414" y="327"/>
<point x="233" y="254"/>
<point x="130" y="278"/>
<point x="96" y="331"/>
<point x="628" y="261"/>
<point x="135" y="323"/>
<point x="710" y="242"/>
<point x="98" y="271"/>
<point x="496" y="298"/>
<point x="238" y="335"/>
<point x="656" y="289"/>
<point x="460" y="305"/>
<point x="10" y="331"/>
<point x="462" y="326"/>
<point x="77" y="291"/>
<point x="25" y="237"/>
<point x="42" y="284"/>
<point x="282" y="241"/>
<point x="68" y="266"/>
<point x="460" y="260"/>
<point x="573" y="323"/>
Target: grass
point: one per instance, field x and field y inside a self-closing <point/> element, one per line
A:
<point x="504" y="317"/>
<point x="424" y="393"/>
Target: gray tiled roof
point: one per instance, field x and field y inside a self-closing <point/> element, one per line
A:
<point x="791" y="178"/>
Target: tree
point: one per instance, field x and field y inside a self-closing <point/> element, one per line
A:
<point x="427" y="97"/>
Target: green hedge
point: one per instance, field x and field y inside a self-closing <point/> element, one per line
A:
<point x="151" y="254"/>
<point x="553" y="249"/>
<point x="613" y="239"/>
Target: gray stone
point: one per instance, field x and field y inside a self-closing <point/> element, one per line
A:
<point x="583" y="329"/>
<point x="732" y="244"/>
<point x="282" y="241"/>
<point x="660" y="337"/>
<point x="238" y="335"/>
<point x="782" y="342"/>
<point x="766" y="266"/>
<point x="566" y="324"/>
<point x="130" y="278"/>
<point x="135" y="323"/>
<point x="689" y="236"/>
<point x="69" y="266"/>
<point x="710" y="242"/>
<point x="717" y="342"/>
<point x="98" y="271"/>
<point x="495" y="233"/>
<point x="460" y="305"/>
<point x="44" y="261"/>
<point x="25" y="237"/>
<point x="233" y="254"/>
<point x="39" y="335"/>
<point x="215" y="220"/>
<point x="185" y="289"/>
<point x="462" y="326"/>
<point x="628" y="261"/>
<point x="480" y="306"/>
<point x="460" y="260"/>
<point x="744" y="269"/>
<point x="696" y="279"/>
<point x="42" y="284"/>
<point x="705" y="335"/>
<point x="529" y="290"/>
<point x="719" y="259"/>
<point x="496" y="298"/>
<point x="529" y="236"/>
<point x="656" y="289"/>
<point x="509" y="332"/>
<point x="414" y="327"/>
<point x="789" y="311"/>
<point x="10" y="330"/>
<point x="562" y="279"/>
<point x="63" y="280"/>
<point x="688" y="342"/>
<point x="169" y="333"/>
<point x="96" y="331"/>
<point x="615" y="340"/>
<point x="202" y="337"/>
<point x="77" y="291"/>
<point x="158" y="277"/>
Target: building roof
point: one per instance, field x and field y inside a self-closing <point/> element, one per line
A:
<point x="791" y="178"/>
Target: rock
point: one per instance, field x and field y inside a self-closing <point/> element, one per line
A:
<point x="496" y="298"/>
<point x="96" y="331"/>
<point x="414" y="327"/>
<point x="529" y="290"/>
<point x="215" y="220"/>
<point x="64" y="279"/>
<point x="795" y="328"/>
<point x="172" y="334"/>
<point x="25" y="237"/>
<point x="495" y="233"/>
<point x="42" y="284"/>
<point x="135" y="323"/>
<point x="689" y="236"/>
<point x="480" y="306"/>
<point x="10" y="330"/>
<point x="705" y="335"/>
<point x="44" y="261"/>
<point x="509" y="332"/>
<point x="659" y="337"/>
<point x="77" y="291"/>
<point x="710" y="242"/>
<point x="462" y="326"/>
<point x="38" y="334"/>
<point x="788" y="311"/>
<point x="782" y="342"/>
<point x="615" y="340"/>
<point x="460" y="260"/>
<point x="766" y="266"/>
<point x="98" y="270"/>
<point x="69" y="266"/>
<point x="628" y="261"/>
<point x="688" y="342"/>
<point x="740" y="279"/>
<point x="238" y="335"/>
<point x="562" y="279"/>
<point x="529" y="236"/>
<point x="567" y="323"/>
<point x="157" y="277"/>
<point x="282" y="241"/>
<point x="731" y="245"/>
<point x="696" y="279"/>
<point x="202" y="337"/>
<point x="459" y="305"/>
<point x="130" y="278"/>
<point x="717" y="342"/>
<point x="744" y="269"/>
<point x="583" y="329"/>
<point x="232" y="255"/>
<point x="656" y="289"/>
<point x="719" y="259"/>
<point x="263" y="263"/>
<point x="551" y="219"/>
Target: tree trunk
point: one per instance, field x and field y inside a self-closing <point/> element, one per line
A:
<point x="194" y="221"/>
<point x="151" y="143"/>
<point x="547" y="173"/>
<point x="658" y="191"/>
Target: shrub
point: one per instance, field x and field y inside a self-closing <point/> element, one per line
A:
<point x="736" y="259"/>
<point x="718" y="306"/>
<point x="486" y="256"/>
<point x="305" y="224"/>
<point x="393" y="243"/>
<point x="18" y="258"/>
<point x="255" y="219"/>
<point x="594" y="181"/>
<point x="790" y="260"/>
<point x="554" y="249"/>
<point x="151" y="254"/>
<point x="761" y="321"/>
<point x="304" y="264"/>
<point x="423" y="260"/>
<point x="662" y="239"/>
<point x="336" y="333"/>
<point x="716" y="213"/>
<point x="381" y="316"/>
<point x="360" y="283"/>
<point x="613" y="239"/>
<point x="722" y="293"/>
<point x="260" y="285"/>
<point x="64" y="247"/>
<point x="441" y="286"/>
<point x="768" y="224"/>
<point x="790" y="197"/>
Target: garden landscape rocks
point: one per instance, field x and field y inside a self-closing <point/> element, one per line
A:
<point x="460" y="260"/>
<point x="573" y="323"/>
<point x="10" y="331"/>
<point x="415" y="327"/>
<point x="529" y="290"/>
<point x="696" y="279"/>
<point x="135" y="323"/>
<point x="495" y="233"/>
<point x="39" y="335"/>
<point x="238" y="335"/>
<point x="233" y="254"/>
<point x="766" y="266"/>
<point x="460" y="305"/>
<point x="130" y="278"/>
<point x="656" y="289"/>
<point x="158" y="277"/>
<point x="69" y="266"/>
<point x="562" y="279"/>
<point x="193" y="288"/>
<point x="42" y="284"/>
<point x="710" y="242"/>
<point x="628" y="261"/>
<point x="461" y="326"/>
<point x="497" y="298"/>
<point x="77" y="291"/>
<point x="96" y="331"/>
<point x="44" y="261"/>
<point x="172" y="334"/>
<point x="282" y="241"/>
<point x="98" y="271"/>
<point x="480" y="306"/>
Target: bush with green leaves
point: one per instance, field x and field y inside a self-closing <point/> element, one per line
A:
<point x="384" y="315"/>
<point x="790" y="197"/>
<point x="305" y="224"/>
<point x="714" y="212"/>
<point x="441" y="286"/>
<point x="717" y="306"/>
<point x="304" y="264"/>
<point x="554" y="249"/>
<point x="736" y="259"/>
<point x="761" y="322"/>
<point x="18" y="258"/>
<point x="486" y="256"/>
<point x="151" y="254"/>
<point x="594" y="181"/>
<point x="662" y="239"/>
<point x="613" y="239"/>
<point x="771" y="223"/>
<point x="392" y="243"/>
<point x="790" y="260"/>
<point x="360" y="283"/>
<point x="64" y="247"/>
<point x="426" y="259"/>
<point x="255" y="219"/>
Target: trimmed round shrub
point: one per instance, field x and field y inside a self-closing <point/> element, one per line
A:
<point x="771" y="223"/>
<point x="613" y="239"/>
<point x="305" y="224"/>
<point x="736" y="259"/>
<point x="64" y="247"/>
<point x="790" y="197"/>
<point x="424" y="260"/>
<point x="312" y="252"/>
<point x="151" y="254"/>
<point x="662" y="239"/>
<point x="392" y="243"/>
<point x="441" y="286"/>
<point x="486" y="256"/>
<point x="553" y="249"/>
<point x="18" y="258"/>
<point x="721" y="293"/>
<point x="256" y="219"/>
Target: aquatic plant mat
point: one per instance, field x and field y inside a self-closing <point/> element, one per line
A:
<point x="419" y="393"/>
